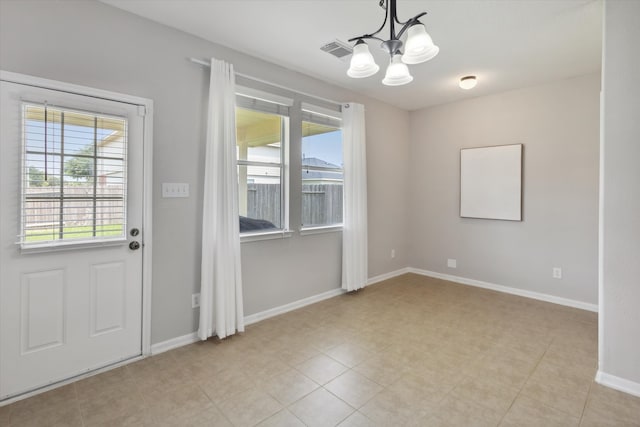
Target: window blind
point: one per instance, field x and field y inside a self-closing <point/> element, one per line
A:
<point x="261" y="105"/>
<point x="74" y="175"/>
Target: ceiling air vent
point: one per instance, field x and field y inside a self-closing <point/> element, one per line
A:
<point x="339" y="49"/>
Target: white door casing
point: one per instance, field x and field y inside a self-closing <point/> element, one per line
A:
<point x="68" y="311"/>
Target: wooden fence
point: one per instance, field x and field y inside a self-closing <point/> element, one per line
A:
<point x="42" y="208"/>
<point x="321" y="203"/>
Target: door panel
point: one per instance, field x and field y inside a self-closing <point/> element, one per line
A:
<point x="71" y="308"/>
<point x="43" y="312"/>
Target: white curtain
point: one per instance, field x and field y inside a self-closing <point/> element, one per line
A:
<point x="221" y="311"/>
<point x="354" y="234"/>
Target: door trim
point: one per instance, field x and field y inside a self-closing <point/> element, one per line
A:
<point x="146" y="110"/>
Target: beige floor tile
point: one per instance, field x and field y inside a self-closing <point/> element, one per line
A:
<point x="178" y="402"/>
<point x="283" y="418"/>
<point x="289" y="386"/>
<point x="382" y="370"/>
<point x="357" y="419"/>
<point x="349" y="354"/>
<point x="422" y="352"/>
<point x="557" y="389"/>
<point x="321" y="408"/>
<point x="389" y="408"/>
<point x="211" y="417"/>
<point x="61" y="415"/>
<point x="5" y="415"/>
<point x="353" y="388"/>
<point x="225" y="383"/>
<point x="528" y="412"/>
<point x="486" y="392"/>
<point x="606" y="405"/>
<point x="455" y="412"/>
<point x="62" y="396"/>
<point x="510" y="371"/>
<point x="249" y="407"/>
<point x="321" y="368"/>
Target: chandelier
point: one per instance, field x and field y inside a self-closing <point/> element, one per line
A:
<point x="418" y="48"/>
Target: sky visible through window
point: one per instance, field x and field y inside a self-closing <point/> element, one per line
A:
<point x="326" y="146"/>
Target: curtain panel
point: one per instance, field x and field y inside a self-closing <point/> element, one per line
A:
<point x="354" y="234"/>
<point x="221" y="309"/>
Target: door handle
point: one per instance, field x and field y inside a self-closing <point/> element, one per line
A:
<point x="134" y="245"/>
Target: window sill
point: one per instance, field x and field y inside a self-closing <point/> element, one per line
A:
<point x="271" y="235"/>
<point x="29" y="248"/>
<point x="321" y="230"/>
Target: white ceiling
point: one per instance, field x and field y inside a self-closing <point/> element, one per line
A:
<point x="507" y="43"/>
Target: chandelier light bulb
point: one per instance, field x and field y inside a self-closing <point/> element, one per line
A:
<point x="397" y="73"/>
<point x="362" y="62"/>
<point x="468" y="82"/>
<point x="419" y="47"/>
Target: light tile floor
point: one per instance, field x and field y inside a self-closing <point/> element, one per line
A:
<point x="410" y="351"/>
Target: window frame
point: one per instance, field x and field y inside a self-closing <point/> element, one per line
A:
<point x="62" y="243"/>
<point x="311" y="113"/>
<point x="264" y="103"/>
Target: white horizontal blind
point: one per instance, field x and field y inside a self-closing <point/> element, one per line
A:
<point x="321" y="119"/>
<point x="74" y="176"/>
<point x="261" y="105"/>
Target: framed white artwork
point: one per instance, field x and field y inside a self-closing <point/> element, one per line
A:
<point x="491" y="182"/>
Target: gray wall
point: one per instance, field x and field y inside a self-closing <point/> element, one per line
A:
<point x="558" y="125"/>
<point x="620" y="199"/>
<point x="92" y="44"/>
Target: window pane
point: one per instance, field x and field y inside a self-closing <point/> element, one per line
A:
<point x="258" y="136"/>
<point x="321" y="145"/>
<point x="259" y="198"/>
<point x="322" y="175"/>
<point x="321" y="204"/>
<point x="259" y="139"/>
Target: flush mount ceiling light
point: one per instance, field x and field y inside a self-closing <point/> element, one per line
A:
<point x="418" y="48"/>
<point x="468" y="82"/>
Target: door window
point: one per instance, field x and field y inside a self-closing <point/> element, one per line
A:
<point x="74" y="176"/>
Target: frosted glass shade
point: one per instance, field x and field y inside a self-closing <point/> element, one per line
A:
<point x="397" y="73"/>
<point x="362" y="62"/>
<point x="468" y="82"/>
<point x="419" y="47"/>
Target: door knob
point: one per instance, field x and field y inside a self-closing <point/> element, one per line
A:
<point x="134" y="245"/>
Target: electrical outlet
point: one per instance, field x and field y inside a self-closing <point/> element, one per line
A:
<point x="452" y="263"/>
<point x="557" y="273"/>
<point x="195" y="300"/>
<point x="393" y="253"/>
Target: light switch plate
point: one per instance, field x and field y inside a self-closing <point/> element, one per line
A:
<point x="172" y="189"/>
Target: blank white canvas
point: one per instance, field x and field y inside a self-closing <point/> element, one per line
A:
<point x="491" y="182"/>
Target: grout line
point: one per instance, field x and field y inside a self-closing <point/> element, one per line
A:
<point x="586" y="402"/>
<point x="526" y="381"/>
<point x="75" y="392"/>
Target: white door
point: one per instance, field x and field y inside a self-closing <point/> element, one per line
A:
<point x="71" y="192"/>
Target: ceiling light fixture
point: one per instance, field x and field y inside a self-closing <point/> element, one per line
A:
<point x="418" y="48"/>
<point x="468" y="82"/>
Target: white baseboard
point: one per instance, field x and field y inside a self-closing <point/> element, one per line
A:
<point x="509" y="290"/>
<point x="172" y="343"/>
<point x="253" y="318"/>
<point x="387" y="276"/>
<point x="618" y="383"/>
<point x="187" y="339"/>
